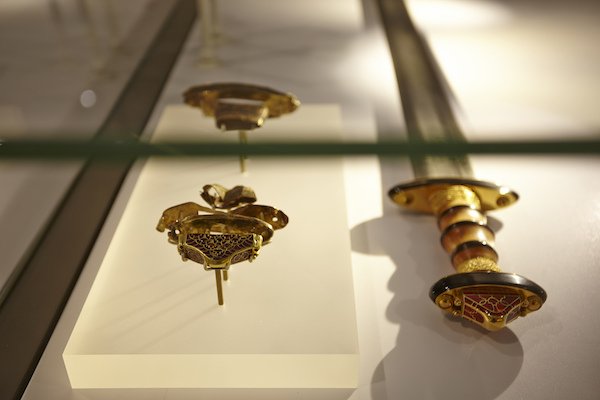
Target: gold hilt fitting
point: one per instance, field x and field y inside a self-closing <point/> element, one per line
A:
<point x="240" y="107"/>
<point x="231" y="231"/>
<point x="479" y="292"/>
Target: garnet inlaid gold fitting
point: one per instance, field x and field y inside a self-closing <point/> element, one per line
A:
<point x="479" y="292"/>
<point x="228" y="232"/>
<point x="240" y="107"/>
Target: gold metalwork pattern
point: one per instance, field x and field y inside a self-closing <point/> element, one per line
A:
<point x="218" y="196"/>
<point x="415" y="195"/>
<point x="212" y="251"/>
<point x="492" y="307"/>
<point x="231" y="231"/>
<point x="452" y="196"/>
<point x="478" y="264"/>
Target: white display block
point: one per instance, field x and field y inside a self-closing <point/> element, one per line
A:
<point x="152" y="321"/>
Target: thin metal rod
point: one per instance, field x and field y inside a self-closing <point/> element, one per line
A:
<point x="219" y="286"/>
<point x="207" y="51"/>
<point x="225" y="275"/>
<point x="243" y="157"/>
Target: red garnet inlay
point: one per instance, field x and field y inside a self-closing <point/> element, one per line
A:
<point x="496" y="303"/>
<point x="471" y="313"/>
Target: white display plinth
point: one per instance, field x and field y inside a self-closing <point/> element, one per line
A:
<point x="152" y="321"/>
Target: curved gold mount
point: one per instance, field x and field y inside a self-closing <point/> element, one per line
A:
<point x="238" y="106"/>
<point x="217" y="239"/>
<point x="490" y="299"/>
<point x="218" y="196"/>
<point x="480" y="292"/>
<point x="415" y="195"/>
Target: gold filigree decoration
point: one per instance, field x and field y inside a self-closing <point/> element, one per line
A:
<point x="220" y="247"/>
<point x="453" y="196"/>
<point x="478" y="264"/>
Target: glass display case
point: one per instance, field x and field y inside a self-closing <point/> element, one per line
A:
<point x="97" y="141"/>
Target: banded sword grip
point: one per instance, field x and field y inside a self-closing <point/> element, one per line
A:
<point x="479" y="291"/>
<point x="465" y="233"/>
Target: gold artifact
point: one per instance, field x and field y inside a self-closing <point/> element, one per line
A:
<point x="240" y="107"/>
<point x="230" y="231"/>
<point x="479" y="292"/>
